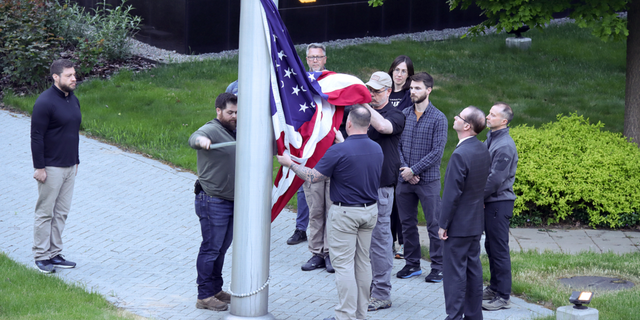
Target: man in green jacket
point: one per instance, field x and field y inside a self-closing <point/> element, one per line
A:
<point x="214" y="200"/>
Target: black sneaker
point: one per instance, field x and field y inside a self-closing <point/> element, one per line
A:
<point x="408" y="272"/>
<point x="45" y="266"/>
<point x="434" y="276"/>
<point x="315" y="262"/>
<point x="297" y="237"/>
<point x="60" y="262"/>
<point x="327" y="264"/>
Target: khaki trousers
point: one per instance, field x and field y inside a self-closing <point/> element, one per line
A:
<point x="349" y="233"/>
<point x="52" y="208"/>
<point x="318" y="200"/>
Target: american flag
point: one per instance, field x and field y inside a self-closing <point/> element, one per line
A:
<point x="305" y="106"/>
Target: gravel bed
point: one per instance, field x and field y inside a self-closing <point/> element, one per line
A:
<point x="167" y="56"/>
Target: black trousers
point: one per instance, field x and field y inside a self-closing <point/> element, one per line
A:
<point x="428" y="195"/>
<point x="462" y="278"/>
<point x="497" y="217"/>
<point x="396" y="226"/>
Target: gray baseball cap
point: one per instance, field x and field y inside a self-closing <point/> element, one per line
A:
<point x="379" y="80"/>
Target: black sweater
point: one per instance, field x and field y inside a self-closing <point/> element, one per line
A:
<point x="55" y="126"/>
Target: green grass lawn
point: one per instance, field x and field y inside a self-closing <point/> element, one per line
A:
<point x="27" y="294"/>
<point x="566" y="70"/>
<point x="535" y="278"/>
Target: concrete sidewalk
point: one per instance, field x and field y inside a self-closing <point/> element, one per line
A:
<point x="134" y="234"/>
<point x="566" y="241"/>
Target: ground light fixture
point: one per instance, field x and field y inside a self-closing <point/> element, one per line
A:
<point x="579" y="298"/>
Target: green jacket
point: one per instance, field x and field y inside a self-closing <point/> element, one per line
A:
<point x="216" y="167"/>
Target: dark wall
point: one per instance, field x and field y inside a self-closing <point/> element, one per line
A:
<point x="342" y="19"/>
<point x="201" y="26"/>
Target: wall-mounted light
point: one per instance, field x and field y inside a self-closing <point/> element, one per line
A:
<point x="307" y="1"/>
<point x="579" y="298"/>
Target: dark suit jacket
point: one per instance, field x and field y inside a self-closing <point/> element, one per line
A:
<point x="463" y="196"/>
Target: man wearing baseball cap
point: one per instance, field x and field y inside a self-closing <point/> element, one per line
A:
<point x="387" y="124"/>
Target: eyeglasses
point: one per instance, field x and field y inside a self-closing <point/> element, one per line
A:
<point x="400" y="71"/>
<point x="463" y="119"/>
<point x="374" y="91"/>
<point x="315" y="57"/>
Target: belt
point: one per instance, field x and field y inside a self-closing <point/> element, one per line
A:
<point x="342" y="204"/>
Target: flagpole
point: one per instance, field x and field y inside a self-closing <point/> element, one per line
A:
<point x="254" y="170"/>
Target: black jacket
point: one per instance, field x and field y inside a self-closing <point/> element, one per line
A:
<point x="463" y="196"/>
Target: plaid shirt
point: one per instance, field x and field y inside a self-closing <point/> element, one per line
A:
<point x="422" y="143"/>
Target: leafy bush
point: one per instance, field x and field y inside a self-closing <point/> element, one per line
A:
<point x="105" y="28"/>
<point x="28" y="43"/>
<point x="573" y="169"/>
<point x="33" y="33"/>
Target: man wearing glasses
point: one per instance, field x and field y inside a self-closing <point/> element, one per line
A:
<point x="317" y="194"/>
<point x="316" y="58"/>
<point x="421" y="147"/>
<point x="462" y="215"/>
<point x="387" y="124"/>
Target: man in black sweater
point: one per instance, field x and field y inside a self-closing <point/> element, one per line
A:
<point x="55" y="126"/>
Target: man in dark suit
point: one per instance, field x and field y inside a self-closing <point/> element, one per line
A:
<point x="461" y="219"/>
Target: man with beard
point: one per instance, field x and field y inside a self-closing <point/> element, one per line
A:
<point x="387" y="123"/>
<point x="55" y="126"/>
<point x="214" y="200"/>
<point x="421" y="147"/>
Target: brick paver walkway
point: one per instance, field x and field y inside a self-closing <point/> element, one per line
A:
<point x="134" y="234"/>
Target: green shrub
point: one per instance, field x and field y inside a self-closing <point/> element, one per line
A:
<point x="28" y="43"/>
<point x="105" y="28"/>
<point x="573" y="170"/>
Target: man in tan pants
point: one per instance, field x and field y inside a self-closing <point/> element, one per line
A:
<point x="317" y="194"/>
<point x="55" y="124"/>
<point x="354" y="166"/>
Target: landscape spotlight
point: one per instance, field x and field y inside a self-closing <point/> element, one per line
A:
<point x="579" y="298"/>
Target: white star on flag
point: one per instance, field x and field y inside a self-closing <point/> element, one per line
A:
<point x="306" y="136"/>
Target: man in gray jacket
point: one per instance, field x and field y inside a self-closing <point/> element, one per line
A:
<point x="498" y="206"/>
<point x="214" y="200"/>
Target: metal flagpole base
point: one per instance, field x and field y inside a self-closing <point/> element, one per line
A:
<point x="267" y="316"/>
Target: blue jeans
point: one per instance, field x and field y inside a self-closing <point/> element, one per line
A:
<point x="216" y="223"/>
<point x="302" y="219"/>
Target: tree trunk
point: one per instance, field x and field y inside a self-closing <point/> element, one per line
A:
<point x="632" y="96"/>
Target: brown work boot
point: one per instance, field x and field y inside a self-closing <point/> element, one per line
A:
<point x="223" y="296"/>
<point x="212" y="303"/>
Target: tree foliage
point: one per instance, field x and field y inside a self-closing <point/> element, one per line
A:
<point x="601" y="16"/>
